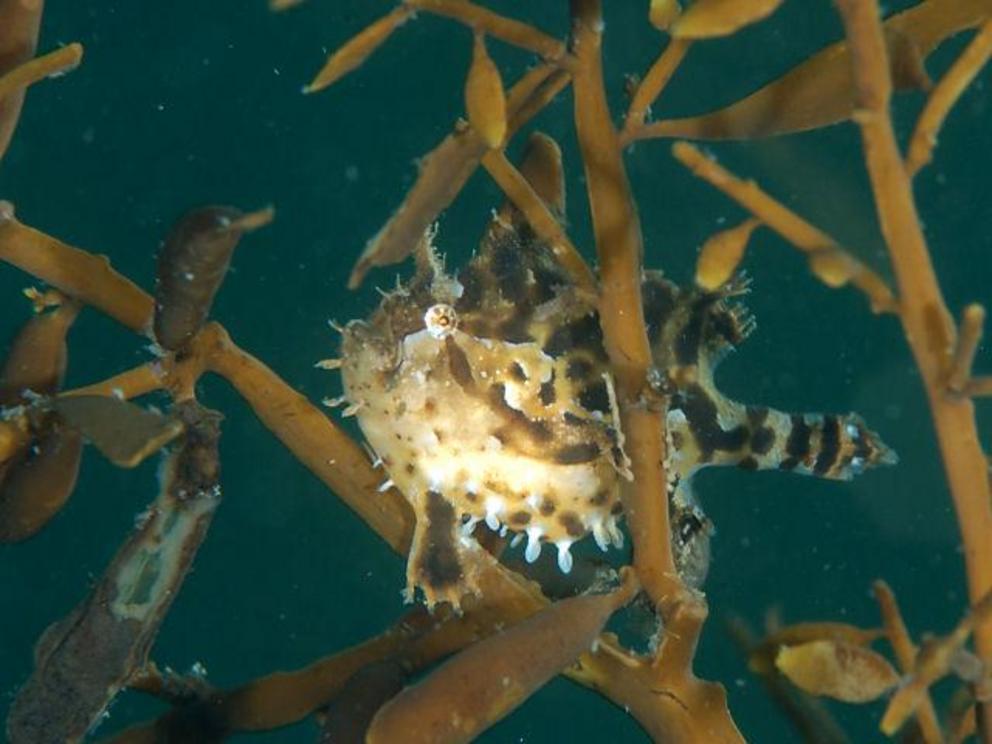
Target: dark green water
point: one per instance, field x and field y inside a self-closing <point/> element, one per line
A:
<point x="184" y="103"/>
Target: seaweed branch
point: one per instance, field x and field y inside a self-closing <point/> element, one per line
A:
<point x="619" y="247"/>
<point x="487" y="652"/>
<point x="926" y="321"/>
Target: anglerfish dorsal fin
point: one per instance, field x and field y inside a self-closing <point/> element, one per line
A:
<point x="693" y="328"/>
<point x="514" y="272"/>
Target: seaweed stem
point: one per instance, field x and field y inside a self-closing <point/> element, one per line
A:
<point x="926" y="321"/>
<point x="619" y="246"/>
<point x="652" y="85"/>
<point x="945" y="94"/>
<point x="905" y="652"/>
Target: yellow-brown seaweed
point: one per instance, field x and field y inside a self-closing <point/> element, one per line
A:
<point x="110" y="632"/>
<point x="657" y="687"/>
<point x="905" y="652"/>
<point x="191" y="266"/>
<point x="352" y="54"/>
<point x="818" y="92"/>
<point x="722" y="253"/>
<point x="124" y="433"/>
<point x="837" y="669"/>
<point x="36" y="360"/>
<point x="485" y="101"/>
<point x="35" y="487"/>
<point x="20" y="21"/>
<point x="86" y="277"/>
<point x="484" y="683"/>
<point x="445" y="170"/>
<point x="707" y="19"/>
<point x="831" y="263"/>
<point x="39" y="468"/>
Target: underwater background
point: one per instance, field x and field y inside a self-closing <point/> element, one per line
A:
<point x="185" y="103"/>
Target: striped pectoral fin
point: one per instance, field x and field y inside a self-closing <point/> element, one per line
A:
<point x="441" y="562"/>
<point x="825" y="445"/>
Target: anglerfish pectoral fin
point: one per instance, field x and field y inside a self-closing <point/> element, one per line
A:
<point x="443" y="561"/>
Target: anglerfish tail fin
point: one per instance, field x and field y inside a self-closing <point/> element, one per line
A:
<point x="707" y="429"/>
<point x="831" y="446"/>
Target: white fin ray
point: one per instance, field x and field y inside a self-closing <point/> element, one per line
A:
<point x="533" y="551"/>
<point x="564" y="556"/>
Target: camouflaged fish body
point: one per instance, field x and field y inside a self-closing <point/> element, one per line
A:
<point x="488" y="398"/>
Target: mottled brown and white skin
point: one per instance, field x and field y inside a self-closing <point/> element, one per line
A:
<point x="487" y="396"/>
